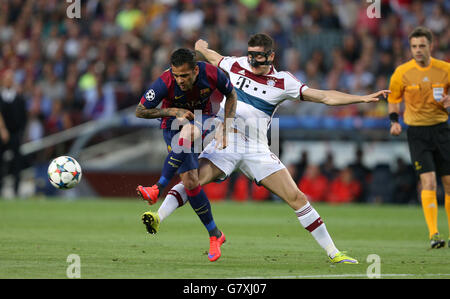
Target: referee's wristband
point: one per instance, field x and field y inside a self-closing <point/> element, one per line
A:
<point x="393" y="117"/>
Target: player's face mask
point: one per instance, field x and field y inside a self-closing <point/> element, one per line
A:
<point x="253" y="55"/>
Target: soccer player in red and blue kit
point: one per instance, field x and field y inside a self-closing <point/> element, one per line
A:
<point x="186" y="86"/>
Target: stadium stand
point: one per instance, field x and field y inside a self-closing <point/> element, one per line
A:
<point x="75" y="70"/>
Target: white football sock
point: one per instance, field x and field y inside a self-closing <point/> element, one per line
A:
<point x="312" y="222"/>
<point x="175" y="198"/>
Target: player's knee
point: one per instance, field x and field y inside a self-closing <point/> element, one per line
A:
<point x="428" y="180"/>
<point x="446" y="184"/>
<point x="296" y="199"/>
<point x="190" y="181"/>
<point x="300" y="198"/>
<point x="190" y="184"/>
<point x="429" y="185"/>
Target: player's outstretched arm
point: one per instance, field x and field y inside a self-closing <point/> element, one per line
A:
<point x="334" y="97"/>
<point x="211" y="56"/>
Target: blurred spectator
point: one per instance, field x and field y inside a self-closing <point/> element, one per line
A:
<point x="14" y="121"/>
<point x="405" y="183"/>
<point x="385" y="65"/>
<point x="259" y="193"/>
<point x="314" y="184"/>
<point x="216" y="191"/>
<point x="344" y="188"/>
<point x="129" y="16"/>
<point x="437" y="22"/>
<point x="360" y="80"/>
<point x="241" y="189"/>
<point x="329" y="20"/>
<point x="190" y="19"/>
<point x="381" y="176"/>
<point x="328" y="168"/>
<point x="301" y="166"/>
<point x="52" y="86"/>
<point x="58" y="120"/>
<point x="100" y="101"/>
<point x="361" y="173"/>
<point x="366" y="23"/>
<point x="347" y="11"/>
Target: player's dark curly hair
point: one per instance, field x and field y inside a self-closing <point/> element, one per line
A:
<point x="182" y="56"/>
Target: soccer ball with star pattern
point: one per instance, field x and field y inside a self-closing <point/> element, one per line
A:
<point x="64" y="172"/>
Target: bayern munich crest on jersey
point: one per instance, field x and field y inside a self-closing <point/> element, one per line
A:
<point x="271" y="82"/>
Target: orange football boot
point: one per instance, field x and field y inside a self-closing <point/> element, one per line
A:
<point x="149" y="194"/>
<point x="214" y="247"/>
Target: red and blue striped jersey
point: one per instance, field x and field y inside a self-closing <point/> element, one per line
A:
<point x="166" y="90"/>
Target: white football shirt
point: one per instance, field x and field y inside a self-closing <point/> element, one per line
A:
<point x="258" y="95"/>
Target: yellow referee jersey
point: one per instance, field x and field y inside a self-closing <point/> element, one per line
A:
<point x="422" y="88"/>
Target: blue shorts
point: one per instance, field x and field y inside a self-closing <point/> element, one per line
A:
<point x="191" y="161"/>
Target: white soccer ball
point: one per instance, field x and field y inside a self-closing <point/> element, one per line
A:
<point x="64" y="172"/>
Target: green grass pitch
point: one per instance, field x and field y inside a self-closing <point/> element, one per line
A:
<point x="264" y="240"/>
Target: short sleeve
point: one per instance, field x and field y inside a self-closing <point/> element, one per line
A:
<point x="396" y="88"/>
<point x="154" y="94"/>
<point x="223" y="83"/>
<point x="226" y="63"/>
<point x="294" y="88"/>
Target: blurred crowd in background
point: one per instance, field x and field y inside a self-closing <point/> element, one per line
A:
<point x="72" y="70"/>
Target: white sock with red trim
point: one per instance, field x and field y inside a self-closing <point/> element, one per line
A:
<point x="312" y="222"/>
<point x="175" y="198"/>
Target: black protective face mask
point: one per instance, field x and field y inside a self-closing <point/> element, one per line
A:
<point x="252" y="58"/>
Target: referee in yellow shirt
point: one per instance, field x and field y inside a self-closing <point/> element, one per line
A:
<point x="423" y="83"/>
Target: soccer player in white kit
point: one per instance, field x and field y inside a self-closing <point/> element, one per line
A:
<point x="260" y="89"/>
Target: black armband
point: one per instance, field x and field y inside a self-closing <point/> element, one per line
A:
<point x="393" y="117"/>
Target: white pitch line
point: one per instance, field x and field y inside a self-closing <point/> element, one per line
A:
<point x="344" y="276"/>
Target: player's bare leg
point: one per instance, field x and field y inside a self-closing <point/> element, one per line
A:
<point x="208" y="172"/>
<point x="177" y="197"/>
<point x="201" y="205"/>
<point x="173" y="161"/>
<point x="282" y="184"/>
<point x="174" y="198"/>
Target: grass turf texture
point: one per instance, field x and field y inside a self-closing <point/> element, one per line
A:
<point x="263" y="240"/>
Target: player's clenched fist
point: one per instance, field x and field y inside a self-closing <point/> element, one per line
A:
<point x="396" y="129"/>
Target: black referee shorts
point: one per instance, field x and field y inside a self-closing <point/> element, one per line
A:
<point x="429" y="147"/>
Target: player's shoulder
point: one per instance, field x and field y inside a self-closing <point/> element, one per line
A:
<point x="235" y="58"/>
<point x="167" y="75"/>
<point x="166" y="78"/>
<point x="288" y="77"/>
<point x="207" y="70"/>
<point x="232" y="59"/>
<point x="285" y="74"/>
<point x="206" y="66"/>
<point x="401" y="69"/>
<point x="441" y="64"/>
